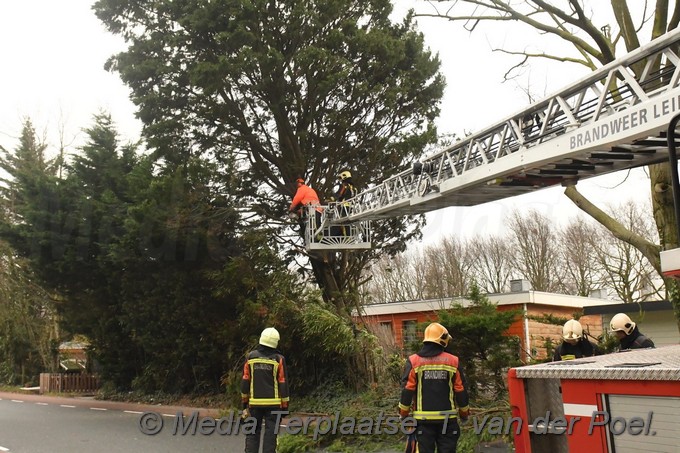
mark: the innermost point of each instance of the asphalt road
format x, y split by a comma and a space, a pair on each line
37, 424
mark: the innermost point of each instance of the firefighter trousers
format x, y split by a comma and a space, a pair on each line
266, 418
432, 435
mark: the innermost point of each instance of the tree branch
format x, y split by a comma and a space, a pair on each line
650, 250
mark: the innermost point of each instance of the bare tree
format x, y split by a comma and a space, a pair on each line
393, 279
447, 269
534, 250
580, 271
596, 44
624, 267
491, 262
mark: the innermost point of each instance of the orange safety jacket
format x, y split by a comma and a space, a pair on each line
434, 386
265, 379
305, 196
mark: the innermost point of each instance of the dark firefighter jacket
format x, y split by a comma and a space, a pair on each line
635, 341
345, 191
433, 381
568, 351
265, 379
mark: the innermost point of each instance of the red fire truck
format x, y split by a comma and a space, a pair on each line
622, 402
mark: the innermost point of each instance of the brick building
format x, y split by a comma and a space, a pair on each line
398, 320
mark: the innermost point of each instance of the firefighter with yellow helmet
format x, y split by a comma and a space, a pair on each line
574, 345
628, 334
264, 390
433, 385
346, 189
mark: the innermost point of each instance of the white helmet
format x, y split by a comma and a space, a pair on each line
345, 175
270, 337
572, 330
621, 322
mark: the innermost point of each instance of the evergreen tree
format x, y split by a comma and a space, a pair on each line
480, 340
288, 89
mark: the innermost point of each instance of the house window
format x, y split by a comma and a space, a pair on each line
386, 326
408, 331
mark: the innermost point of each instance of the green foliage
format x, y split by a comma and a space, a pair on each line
322, 346
549, 318
28, 332
154, 268
479, 340
607, 342
469, 439
331, 334
298, 443
287, 89
395, 367
334, 398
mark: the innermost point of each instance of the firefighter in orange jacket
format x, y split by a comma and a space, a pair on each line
264, 390
434, 385
305, 196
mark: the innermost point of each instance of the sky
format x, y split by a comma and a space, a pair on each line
53, 57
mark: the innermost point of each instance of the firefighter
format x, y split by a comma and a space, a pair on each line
628, 334
264, 390
346, 190
434, 385
574, 345
304, 196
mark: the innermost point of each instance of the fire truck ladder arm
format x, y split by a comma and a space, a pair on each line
607, 121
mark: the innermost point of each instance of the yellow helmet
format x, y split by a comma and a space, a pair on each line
436, 333
270, 337
345, 175
621, 322
572, 330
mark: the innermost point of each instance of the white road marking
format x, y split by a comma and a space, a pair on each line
42, 404
98, 409
17, 401
168, 415
66, 405
133, 412
4, 449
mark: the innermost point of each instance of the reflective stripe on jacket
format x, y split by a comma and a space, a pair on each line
265, 378
435, 384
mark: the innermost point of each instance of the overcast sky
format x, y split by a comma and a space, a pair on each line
53, 56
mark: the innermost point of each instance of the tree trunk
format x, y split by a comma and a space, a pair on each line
323, 272
663, 209
664, 216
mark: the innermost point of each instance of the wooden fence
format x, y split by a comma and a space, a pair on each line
68, 383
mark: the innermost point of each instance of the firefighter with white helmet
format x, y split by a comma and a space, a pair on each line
433, 385
628, 334
264, 390
574, 345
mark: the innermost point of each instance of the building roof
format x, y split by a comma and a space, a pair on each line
73, 345
656, 305
514, 298
660, 364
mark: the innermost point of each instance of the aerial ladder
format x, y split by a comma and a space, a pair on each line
609, 120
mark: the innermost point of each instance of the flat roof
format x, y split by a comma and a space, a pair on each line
500, 299
660, 364
656, 305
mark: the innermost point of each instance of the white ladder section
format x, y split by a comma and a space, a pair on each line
584, 130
